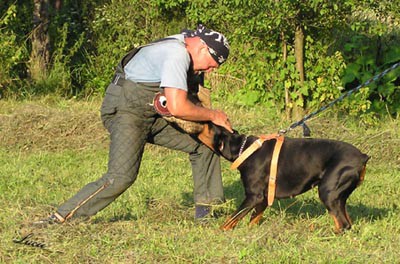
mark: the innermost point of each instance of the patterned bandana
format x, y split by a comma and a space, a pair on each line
218, 45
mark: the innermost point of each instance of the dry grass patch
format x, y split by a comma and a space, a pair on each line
34, 126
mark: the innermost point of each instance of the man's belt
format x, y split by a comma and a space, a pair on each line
119, 80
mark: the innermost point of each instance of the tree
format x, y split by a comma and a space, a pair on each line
40, 54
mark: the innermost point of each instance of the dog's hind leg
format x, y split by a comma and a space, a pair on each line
339, 217
334, 189
347, 214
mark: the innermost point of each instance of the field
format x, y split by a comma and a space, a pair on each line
50, 148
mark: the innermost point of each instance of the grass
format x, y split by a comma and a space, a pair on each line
49, 149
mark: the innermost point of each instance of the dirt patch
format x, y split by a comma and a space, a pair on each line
30, 126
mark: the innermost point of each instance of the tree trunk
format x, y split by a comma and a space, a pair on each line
40, 54
288, 109
57, 5
299, 55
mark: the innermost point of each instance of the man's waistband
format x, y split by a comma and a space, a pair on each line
119, 80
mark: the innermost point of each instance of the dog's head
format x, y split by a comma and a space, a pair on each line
222, 141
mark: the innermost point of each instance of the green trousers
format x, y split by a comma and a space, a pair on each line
132, 122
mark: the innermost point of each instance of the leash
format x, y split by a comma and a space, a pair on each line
306, 130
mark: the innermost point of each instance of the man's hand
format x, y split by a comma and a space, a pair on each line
180, 106
221, 119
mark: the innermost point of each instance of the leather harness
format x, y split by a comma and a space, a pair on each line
274, 162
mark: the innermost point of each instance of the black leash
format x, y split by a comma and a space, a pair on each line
306, 129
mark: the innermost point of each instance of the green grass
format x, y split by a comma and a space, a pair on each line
152, 222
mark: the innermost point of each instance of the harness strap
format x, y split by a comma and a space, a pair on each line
274, 161
133, 51
250, 150
274, 169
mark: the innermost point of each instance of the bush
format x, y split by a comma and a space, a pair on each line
11, 52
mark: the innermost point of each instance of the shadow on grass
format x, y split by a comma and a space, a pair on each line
314, 208
120, 218
233, 191
311, 207
153, 208
291, 207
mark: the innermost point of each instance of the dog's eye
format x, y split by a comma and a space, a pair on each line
221, 146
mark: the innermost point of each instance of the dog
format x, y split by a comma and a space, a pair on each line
336, 167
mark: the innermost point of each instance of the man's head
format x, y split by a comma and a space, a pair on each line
208, 48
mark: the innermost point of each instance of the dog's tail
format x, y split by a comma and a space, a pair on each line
364, 168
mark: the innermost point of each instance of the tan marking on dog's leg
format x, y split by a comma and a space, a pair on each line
256, 219
229, 224
338, 226
348, 217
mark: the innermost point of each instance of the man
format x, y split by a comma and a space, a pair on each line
167, 66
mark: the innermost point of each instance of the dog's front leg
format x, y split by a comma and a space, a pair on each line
247, 205
234, 219
258, 213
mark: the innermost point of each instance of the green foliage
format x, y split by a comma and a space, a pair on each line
59, 80
323, 81
119, 26
344, 40
11, 53
258, 32
370, 50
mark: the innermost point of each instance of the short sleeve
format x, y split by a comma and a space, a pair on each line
174, 69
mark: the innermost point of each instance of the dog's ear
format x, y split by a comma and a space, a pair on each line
213, 137
218, 141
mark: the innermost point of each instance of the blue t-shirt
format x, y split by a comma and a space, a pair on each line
166, 62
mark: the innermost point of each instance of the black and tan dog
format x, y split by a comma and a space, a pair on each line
336, 167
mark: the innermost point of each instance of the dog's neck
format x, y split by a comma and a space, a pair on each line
246, 142
244, 147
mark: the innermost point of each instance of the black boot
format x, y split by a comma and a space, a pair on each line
202, 212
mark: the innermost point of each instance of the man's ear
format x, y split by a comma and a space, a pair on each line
204, 49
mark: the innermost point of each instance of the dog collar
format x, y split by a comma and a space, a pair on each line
242, 147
